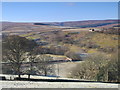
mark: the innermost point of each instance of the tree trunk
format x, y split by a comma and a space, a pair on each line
19, 71
45, 72
30, 70
19, 76
28, 76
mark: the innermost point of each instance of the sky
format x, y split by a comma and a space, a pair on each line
58, 11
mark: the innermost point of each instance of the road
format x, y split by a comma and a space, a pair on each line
30, 84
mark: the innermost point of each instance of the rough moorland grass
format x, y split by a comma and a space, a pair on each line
105, 40
28, 34
84, 37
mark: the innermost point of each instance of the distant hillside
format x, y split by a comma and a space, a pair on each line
44, 26
86, 24
22, 28
8, 25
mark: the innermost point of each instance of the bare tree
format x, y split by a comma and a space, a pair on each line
31, 57
14, 49
44, 64
90, 68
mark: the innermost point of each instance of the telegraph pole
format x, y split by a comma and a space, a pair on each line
58, 69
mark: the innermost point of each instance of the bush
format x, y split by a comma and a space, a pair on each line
107, 49
73, 55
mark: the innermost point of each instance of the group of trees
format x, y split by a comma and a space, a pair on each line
98, 67
17, 51
40, 65
56, 50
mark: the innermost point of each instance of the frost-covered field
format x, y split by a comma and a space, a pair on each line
40, 84
31, 84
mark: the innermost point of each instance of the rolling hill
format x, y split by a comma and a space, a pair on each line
86, 24
22, 28
78, 24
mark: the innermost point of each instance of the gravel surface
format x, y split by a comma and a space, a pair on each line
31, 84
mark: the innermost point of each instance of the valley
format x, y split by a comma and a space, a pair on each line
70, 42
